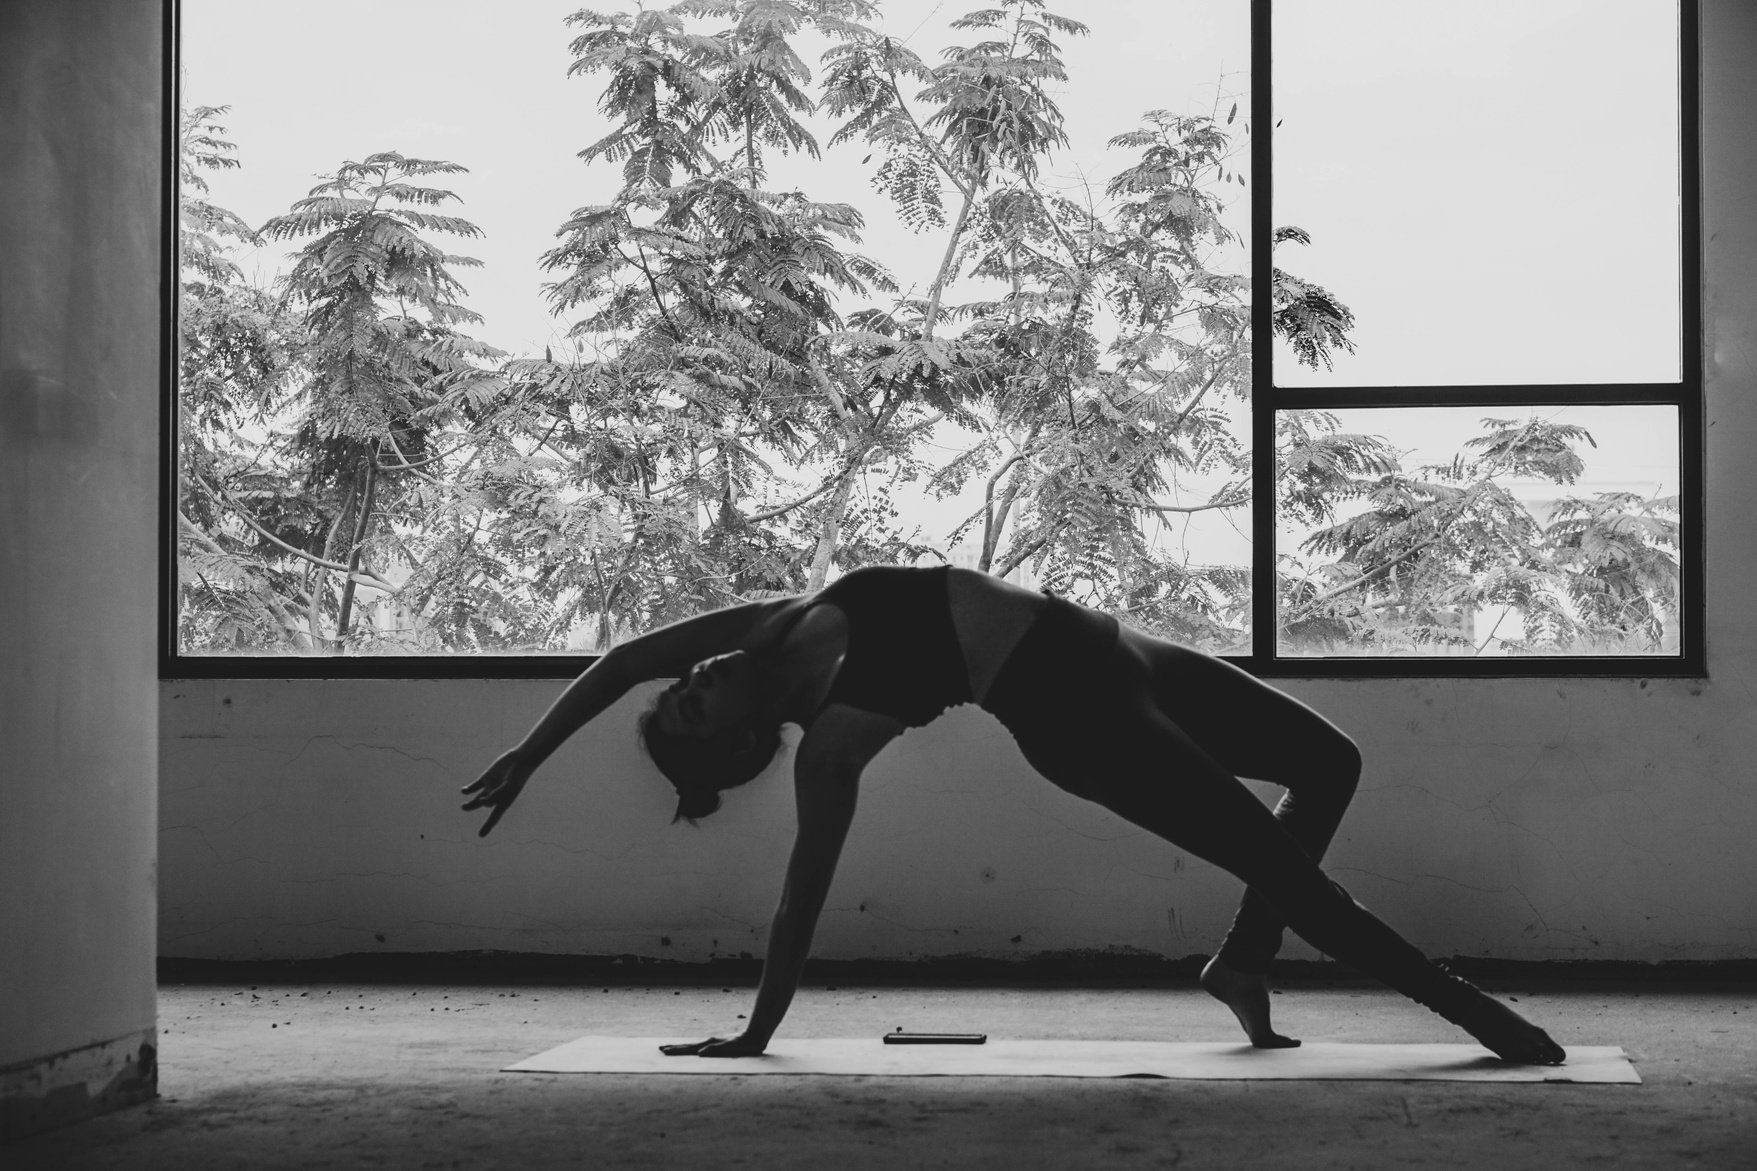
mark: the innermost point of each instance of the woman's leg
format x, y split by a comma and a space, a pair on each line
1158, 777
1251, 729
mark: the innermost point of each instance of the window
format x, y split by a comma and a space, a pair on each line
766, 293
1504, 464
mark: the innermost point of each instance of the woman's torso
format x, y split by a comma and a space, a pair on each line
908, 643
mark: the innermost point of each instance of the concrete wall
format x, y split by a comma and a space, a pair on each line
79, 397
1529, 819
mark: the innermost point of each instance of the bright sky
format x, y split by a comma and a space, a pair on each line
1491, 187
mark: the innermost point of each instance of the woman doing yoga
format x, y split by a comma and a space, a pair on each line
1157, 733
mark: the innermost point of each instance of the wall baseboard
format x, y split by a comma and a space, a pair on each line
1119, 967
53, 1091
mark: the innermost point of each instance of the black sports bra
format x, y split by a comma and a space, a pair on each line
903, 659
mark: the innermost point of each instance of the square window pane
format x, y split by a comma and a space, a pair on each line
703, 392
1490, 191
1478, 532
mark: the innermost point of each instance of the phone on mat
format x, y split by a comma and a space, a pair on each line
902, 1038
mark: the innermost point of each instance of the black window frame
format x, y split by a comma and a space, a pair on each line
1686, 395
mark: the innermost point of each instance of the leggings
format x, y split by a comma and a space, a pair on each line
1099, 720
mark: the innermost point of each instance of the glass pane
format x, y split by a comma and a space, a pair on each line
693, 370
1490, 190
1478, 531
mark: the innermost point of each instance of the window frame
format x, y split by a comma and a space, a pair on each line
1685, 395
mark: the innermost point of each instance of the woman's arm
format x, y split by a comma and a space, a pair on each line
826, 772
826, 807
666, 653
586, 698
599, 686
670, 651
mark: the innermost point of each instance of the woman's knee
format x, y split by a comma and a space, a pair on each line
1318, 758
1346, 761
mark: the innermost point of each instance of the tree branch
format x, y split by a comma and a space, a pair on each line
653, 285
1234, 502
772, 513
1020, 556
1371, 575
990, 532
365, 575
1464, 502
923, 138
1214, 377
279, 612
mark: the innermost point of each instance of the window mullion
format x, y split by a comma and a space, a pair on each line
1262, 341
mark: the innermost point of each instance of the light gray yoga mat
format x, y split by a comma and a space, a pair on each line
1221, 1060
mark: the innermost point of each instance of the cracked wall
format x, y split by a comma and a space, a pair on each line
1525, 819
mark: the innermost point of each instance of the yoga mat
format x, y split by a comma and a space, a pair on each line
1214, 1060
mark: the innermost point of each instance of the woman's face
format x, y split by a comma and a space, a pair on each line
717, 694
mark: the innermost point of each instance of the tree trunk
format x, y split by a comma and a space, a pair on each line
356, 551
992, 521
830, 531
940, 278
319, 580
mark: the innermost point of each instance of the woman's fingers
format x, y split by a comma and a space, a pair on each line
485, 787
688, 1049
736, 1047
497, 788
713, 1047
493, 820
493, 777
497, 800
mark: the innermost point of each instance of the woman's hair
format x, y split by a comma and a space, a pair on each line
700, 769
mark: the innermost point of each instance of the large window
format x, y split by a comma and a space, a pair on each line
537, 332
1501, 460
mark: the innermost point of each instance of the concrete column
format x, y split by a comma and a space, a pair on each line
80, 165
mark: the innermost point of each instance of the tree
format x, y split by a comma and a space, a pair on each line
324, 428
385, 371
235, 345
1110, 371
711, 298
1433, 547
744, 397
722, 429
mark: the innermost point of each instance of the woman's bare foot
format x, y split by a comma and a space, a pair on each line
1248, 998
1507, 1034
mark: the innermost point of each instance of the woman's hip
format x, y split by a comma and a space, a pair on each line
1062, 690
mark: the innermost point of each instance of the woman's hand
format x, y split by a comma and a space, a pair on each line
499, 786
742, 1045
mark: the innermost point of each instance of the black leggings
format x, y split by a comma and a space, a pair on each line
1105, 722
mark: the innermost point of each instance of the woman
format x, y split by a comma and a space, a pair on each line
1155, 732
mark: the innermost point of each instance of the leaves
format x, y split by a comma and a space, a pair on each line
1410, 570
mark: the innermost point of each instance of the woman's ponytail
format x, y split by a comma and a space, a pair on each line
694, 803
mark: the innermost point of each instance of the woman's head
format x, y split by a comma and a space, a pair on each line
706, 733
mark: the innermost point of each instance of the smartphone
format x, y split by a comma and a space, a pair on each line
902, 1038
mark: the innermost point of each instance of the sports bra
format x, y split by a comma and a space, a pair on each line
903, 659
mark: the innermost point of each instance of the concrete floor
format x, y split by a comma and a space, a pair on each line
349, 1075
